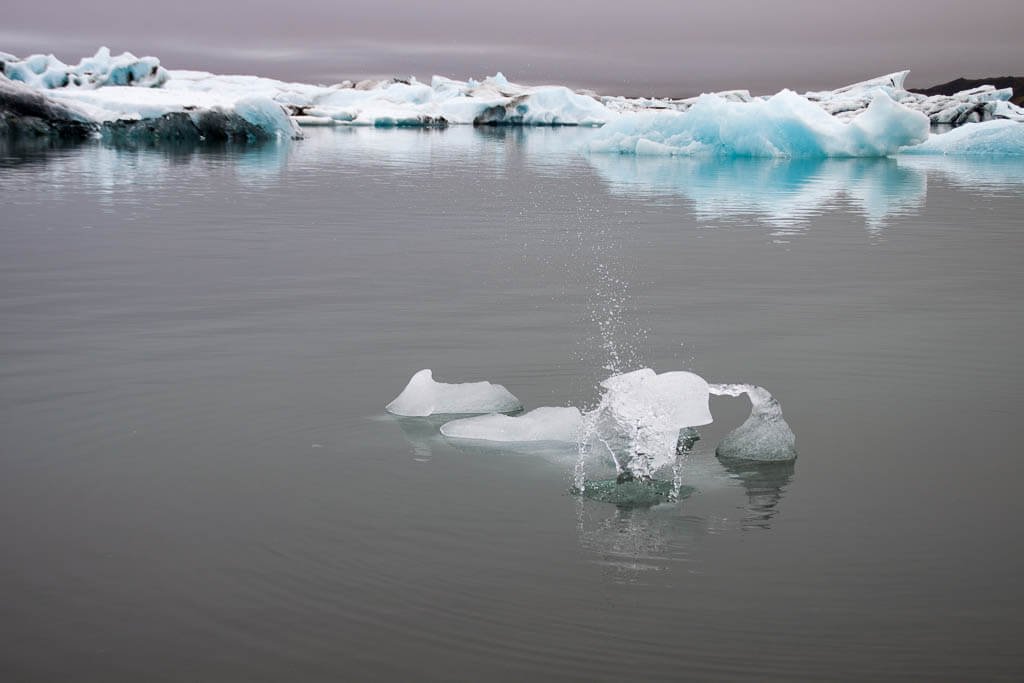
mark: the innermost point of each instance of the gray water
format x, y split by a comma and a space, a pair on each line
198, 481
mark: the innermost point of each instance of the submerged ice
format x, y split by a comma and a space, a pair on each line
423, 396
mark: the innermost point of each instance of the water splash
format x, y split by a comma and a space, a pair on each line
644, 424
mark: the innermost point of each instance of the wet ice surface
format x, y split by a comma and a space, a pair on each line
424, 396
197, 345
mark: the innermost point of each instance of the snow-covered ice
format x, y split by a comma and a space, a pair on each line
423, 396
540, 424
46, 71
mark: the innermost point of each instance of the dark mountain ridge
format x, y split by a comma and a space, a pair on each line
955, 86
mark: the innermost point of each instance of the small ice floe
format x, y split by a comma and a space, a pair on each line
423, 396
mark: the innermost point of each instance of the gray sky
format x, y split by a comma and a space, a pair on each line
621, 47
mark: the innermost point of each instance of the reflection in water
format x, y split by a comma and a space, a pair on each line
634, 541
631, 543
978, 174
765, 483
422, 434
783, 193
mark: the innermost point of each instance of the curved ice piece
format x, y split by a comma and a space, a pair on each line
423, 396
540, 424
784, 125
992, 138
46, 71
764, 436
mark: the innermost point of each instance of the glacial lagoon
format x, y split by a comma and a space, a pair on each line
198, 473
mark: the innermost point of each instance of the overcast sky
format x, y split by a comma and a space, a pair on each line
625, 46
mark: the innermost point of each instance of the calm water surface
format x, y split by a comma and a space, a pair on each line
198, 481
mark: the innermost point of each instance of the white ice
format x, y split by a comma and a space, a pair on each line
540, 424
423, 396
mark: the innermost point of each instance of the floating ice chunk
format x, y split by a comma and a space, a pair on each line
994, 138
640, 415
764, 436
784, 125
423, 396
540, 424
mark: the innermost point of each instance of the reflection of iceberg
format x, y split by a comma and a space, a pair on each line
782, 193
422, 435
765, 483
632, 542
973, 173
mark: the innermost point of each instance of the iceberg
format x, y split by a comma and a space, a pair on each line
764, 436
991, 138
127, 98
135, 98
784, 125
423, 397
540, 424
